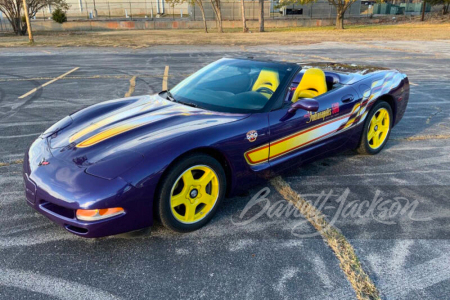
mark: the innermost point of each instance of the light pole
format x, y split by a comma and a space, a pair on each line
27, 18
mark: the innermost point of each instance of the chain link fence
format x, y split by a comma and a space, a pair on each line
230, 9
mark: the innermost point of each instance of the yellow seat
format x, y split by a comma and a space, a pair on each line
267, 79
313, 84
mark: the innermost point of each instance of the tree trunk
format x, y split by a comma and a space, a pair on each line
244, 21
261, 15
18, 27
216, 8
339, 20
219, 15
12, 9
15, 24
423, 10
445, 8
202, 9
215, 13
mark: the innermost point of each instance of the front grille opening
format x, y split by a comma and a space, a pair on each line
76, 229
59, 210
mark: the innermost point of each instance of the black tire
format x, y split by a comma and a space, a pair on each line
364, 148
163, 196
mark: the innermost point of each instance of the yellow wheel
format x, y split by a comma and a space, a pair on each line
379, 128
190, 192
194, 194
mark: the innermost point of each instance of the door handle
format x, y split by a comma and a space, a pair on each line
347, 98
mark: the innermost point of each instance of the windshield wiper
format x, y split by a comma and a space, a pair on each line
188, 103
170, 96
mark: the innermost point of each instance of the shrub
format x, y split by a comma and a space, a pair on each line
59, 16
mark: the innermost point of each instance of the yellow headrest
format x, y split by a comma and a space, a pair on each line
313, 84
267, 78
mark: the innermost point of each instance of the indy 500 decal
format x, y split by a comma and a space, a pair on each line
295, 141
325, 129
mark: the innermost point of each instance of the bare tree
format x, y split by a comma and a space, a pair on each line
218, 13
244, 21
13, 11
202, 9
193, 3
445, 5
341, 8
340, 5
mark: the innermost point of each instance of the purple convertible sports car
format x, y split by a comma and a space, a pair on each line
111, 167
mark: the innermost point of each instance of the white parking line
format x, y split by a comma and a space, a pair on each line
166, 74
51, 286
47, 83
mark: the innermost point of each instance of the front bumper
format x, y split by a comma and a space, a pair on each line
58, 189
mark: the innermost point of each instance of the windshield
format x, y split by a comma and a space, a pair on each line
233, 85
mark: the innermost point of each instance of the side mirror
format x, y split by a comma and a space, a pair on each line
306, 104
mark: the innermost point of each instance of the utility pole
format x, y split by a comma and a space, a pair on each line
27, 18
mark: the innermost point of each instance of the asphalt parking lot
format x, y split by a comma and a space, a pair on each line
236, 256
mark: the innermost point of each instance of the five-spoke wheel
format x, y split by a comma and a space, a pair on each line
376, 129
194, 194
190, 192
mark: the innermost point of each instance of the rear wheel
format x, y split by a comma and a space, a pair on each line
377, 128
191, 192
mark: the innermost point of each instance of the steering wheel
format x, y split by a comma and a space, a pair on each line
265, 91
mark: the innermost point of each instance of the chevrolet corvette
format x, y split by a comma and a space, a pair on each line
115, 166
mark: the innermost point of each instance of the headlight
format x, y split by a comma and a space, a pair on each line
115, 164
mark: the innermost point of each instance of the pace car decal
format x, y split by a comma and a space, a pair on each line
106, 134
378, 88
320, 115
353, 115
252, 135
121, 114
294, 141
125, 120
326, 129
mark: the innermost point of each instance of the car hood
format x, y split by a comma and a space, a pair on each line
120, 128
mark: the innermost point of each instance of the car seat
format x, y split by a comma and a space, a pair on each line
267, 82
313, 84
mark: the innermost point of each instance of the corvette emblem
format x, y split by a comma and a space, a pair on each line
43, 162
252, 135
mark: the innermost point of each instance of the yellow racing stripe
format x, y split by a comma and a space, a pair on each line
294, 141
91, 128
104, 135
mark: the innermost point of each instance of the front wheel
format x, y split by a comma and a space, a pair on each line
377, 128
190, 193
